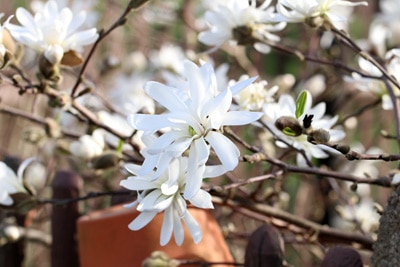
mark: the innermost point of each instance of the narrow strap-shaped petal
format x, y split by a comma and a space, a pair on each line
240, 117
142, 220
193, 227
225, 149
164, 95
167, 227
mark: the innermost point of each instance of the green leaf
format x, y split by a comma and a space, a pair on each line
288, 131
301, 103
120, 146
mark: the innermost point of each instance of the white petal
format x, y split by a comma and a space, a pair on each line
132, 168
198, 155
169, 190
225, 149
142, 220
167, 227
148, 122
165, 96
262, 48
216, 108
163, 142
179, 233
214, 171
193, 227
137, 183
196, 82
202, 200
239, 86
241, 117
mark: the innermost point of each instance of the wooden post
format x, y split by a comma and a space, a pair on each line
64, 249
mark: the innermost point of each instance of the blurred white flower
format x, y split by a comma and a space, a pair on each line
362, 213
10, 183
254, 96
76, 6
286, 107
316, 12
88, 146
384, 31
52, 31
192, 123
169, 57
377, 86
166, 195
241, 22
128, 95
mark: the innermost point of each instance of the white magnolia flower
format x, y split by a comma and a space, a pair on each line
11, 183
336, 12
128, 95
163, 196
254, 96
52, 31
77, 6
2, 27
384, 31
192, 123
286, 106
240, 22
377, 86
363, 213
88, 146
168, 57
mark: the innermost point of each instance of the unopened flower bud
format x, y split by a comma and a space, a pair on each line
319, 136
106, 160
48, 69
315, 22
289, 126
53, 129
159, 259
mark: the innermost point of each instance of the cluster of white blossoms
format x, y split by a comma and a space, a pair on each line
182, 139
250, 22
317, 12
52, 31
242, 22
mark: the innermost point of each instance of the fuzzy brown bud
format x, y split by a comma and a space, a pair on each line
319, 136
289, 126
106, 160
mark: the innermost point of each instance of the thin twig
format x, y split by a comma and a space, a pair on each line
102, 34
321, 232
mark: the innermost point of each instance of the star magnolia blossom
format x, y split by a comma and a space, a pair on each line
286, 106
335, 11
244, 18
10, 183
193, 122
52, 31
162, 196
255, 95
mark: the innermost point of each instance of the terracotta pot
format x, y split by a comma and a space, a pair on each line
105, 240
